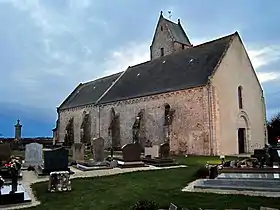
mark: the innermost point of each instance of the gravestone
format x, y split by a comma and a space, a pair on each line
131, 152
173, 207
213, 172
152, 152
273, 152
98, 149
259, 153
56, 160
33, 154
78, 150
164, 150
5, 152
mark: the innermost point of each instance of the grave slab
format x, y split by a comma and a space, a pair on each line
239, 184
266, 176
20, 196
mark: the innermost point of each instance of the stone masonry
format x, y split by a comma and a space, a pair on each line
189, 131
163, 39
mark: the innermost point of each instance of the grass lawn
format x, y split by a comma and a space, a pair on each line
162, 186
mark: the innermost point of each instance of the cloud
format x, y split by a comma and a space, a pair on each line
129, 55
268, 76
263, 56
60, 46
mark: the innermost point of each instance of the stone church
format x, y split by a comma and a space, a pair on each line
203, 100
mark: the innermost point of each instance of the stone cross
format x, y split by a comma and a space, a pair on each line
98, 149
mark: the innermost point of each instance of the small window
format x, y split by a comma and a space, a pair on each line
162, 51
240, 98
183, 46
161, 28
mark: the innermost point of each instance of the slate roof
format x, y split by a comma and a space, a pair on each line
89, 93
178, 32
182, 70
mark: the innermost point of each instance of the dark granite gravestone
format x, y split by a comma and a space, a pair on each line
56, 160
131, 156
213, 172
164, 150
131, 152
5, 152
259, 154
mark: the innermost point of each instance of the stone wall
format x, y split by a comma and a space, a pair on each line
77, 114
162, 39
178, 47
229, 117
189, 130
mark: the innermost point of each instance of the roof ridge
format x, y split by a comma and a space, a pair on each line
175, 53
217, 39
100, 78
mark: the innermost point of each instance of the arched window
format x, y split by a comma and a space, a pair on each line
240, 97
167, 107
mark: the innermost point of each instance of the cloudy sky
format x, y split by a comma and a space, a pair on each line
47, 47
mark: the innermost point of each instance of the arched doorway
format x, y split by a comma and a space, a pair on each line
243, 133
241, 140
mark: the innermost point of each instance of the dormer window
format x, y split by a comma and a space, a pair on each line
162, 51
161, 28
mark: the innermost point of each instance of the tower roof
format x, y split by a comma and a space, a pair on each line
177, 31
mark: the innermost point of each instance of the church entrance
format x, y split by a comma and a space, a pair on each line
241, 140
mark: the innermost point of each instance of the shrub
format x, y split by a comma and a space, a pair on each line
144, 205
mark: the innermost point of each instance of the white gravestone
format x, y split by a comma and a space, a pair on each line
152, 151
33, 154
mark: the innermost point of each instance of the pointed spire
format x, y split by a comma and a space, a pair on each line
179, 21
161, 13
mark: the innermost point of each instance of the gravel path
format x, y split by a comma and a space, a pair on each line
29, 177
190, 188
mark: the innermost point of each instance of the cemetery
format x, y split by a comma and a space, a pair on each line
58, 172
90, 176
